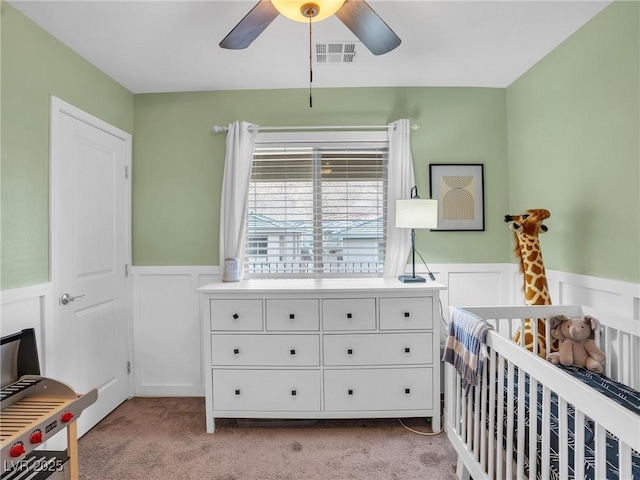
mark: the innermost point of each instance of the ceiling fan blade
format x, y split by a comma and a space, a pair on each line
252, 25
370, 29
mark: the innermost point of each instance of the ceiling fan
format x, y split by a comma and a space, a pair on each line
357, 15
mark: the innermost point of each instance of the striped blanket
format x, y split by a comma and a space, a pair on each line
463, 348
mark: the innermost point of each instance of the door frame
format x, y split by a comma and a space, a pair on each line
58, 108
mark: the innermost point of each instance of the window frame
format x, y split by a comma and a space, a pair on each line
338, 139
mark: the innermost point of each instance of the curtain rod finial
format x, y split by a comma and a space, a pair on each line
219, 129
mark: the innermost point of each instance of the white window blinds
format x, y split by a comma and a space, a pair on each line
316, 210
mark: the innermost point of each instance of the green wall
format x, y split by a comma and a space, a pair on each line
564, 137
34, 66
178, 163
574, 133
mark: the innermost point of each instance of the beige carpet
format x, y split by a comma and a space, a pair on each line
165, 438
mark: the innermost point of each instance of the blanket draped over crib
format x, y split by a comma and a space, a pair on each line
463, 348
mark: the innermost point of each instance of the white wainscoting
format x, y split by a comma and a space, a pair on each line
29, 307
167, 344
166, 317
166, 313
619, 298
470, 284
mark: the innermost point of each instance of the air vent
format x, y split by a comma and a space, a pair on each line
335, 52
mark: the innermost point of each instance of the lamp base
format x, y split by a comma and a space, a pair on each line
411, 279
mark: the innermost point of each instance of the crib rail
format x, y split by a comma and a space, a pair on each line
618, 337
486, 438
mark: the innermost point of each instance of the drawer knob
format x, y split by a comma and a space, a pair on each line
407, 314
292, 316
236, 351
350, 351
350, 392
238, 392
407, 350
349, 315
236, 316
407, 391
293, 351
294, 392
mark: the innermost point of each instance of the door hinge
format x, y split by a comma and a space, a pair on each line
126, 171
128, 368
126, 269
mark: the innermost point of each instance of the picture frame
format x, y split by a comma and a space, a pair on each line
459, 190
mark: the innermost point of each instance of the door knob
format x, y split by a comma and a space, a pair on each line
66, 298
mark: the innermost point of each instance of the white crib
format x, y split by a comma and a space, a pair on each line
487, 451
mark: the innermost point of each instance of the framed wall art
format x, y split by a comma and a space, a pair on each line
459, 190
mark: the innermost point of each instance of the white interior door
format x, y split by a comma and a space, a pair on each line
90, 253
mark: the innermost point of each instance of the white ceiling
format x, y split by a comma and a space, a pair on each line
172, 46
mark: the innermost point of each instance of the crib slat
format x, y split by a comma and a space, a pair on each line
578, 452
463, 415
483, 416
626, 358
608, 366
456, 412
449, 398
620, 370
563, 438
521, 427
499, 421
492, 413
469, 420
510, 415
476, 422
533, 427
624, 460
546, 428
633, 358
600, 447
548, 337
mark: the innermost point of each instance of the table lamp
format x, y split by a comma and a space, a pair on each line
415, 213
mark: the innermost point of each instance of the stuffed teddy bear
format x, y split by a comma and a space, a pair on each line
576, 345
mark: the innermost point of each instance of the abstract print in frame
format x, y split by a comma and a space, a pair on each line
459, 190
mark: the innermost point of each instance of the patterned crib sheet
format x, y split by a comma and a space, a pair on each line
622, 394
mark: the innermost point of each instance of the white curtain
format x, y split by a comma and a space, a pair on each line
400, 180
235, 188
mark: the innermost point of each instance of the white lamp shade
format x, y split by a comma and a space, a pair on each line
416, 213
291, 8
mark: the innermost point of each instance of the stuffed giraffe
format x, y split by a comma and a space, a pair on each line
526, 228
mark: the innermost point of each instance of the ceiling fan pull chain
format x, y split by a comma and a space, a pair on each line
310, 65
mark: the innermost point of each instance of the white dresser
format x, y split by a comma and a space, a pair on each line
332, 348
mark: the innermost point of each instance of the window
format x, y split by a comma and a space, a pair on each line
316, 208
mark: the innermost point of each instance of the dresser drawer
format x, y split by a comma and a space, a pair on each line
236, 314
349, 313
268, 350
384, 389
378, 349
266, 390
406, 313
293, 314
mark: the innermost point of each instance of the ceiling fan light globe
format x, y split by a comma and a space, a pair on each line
293, 9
